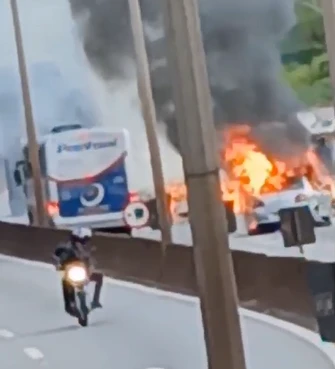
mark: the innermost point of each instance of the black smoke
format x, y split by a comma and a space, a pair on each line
241, 40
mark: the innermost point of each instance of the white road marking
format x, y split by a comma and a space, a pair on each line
33, 353
6, 334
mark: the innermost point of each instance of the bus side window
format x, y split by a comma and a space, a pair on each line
26, 170
17, 177
41, 154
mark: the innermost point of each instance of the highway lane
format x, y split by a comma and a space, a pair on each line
135, 330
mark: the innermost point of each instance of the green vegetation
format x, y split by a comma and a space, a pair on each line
311, 81
306, 64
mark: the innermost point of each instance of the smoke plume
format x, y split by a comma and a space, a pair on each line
241, 40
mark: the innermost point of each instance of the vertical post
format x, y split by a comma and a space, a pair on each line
39, 217
328, 11
213, 261
150, 120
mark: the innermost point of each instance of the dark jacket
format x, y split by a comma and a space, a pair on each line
68, 252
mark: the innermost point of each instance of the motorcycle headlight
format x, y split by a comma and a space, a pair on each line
77, 274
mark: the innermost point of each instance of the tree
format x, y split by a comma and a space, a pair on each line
310, 23
311, 82
310, 79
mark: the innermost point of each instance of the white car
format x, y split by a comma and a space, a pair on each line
299, 193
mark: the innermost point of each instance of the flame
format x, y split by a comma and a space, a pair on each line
178, 195
249, 173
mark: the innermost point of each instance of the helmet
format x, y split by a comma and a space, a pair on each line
81, 235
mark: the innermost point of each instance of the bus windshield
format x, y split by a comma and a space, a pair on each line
65, 128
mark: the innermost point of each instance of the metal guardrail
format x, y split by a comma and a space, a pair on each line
274, 285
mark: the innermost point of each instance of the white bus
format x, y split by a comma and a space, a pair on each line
84, 177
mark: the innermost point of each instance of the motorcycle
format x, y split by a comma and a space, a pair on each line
76, 275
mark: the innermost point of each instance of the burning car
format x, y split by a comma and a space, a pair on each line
298, 192
260, 183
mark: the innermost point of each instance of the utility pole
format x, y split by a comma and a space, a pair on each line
328, 12
33, 147
196, 131
150, 120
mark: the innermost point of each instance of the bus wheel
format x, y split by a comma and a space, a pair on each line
117, 230
122, 230
126, 230
51, 223
30, 217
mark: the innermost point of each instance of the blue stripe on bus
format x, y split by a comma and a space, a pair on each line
114, 185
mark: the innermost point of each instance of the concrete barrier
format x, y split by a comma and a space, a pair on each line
276, 286
272, 343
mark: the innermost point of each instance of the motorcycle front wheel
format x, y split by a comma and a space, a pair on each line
83, 321
83, 314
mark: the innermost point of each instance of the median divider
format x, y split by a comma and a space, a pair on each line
273, 285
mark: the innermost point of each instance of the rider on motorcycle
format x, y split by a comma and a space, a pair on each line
78, 248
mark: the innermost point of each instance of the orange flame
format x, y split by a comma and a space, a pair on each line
248, 173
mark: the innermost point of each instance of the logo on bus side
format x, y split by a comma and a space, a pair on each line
86, 146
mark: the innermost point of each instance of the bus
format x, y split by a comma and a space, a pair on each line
84, 177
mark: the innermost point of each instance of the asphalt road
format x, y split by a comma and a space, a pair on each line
133, 331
